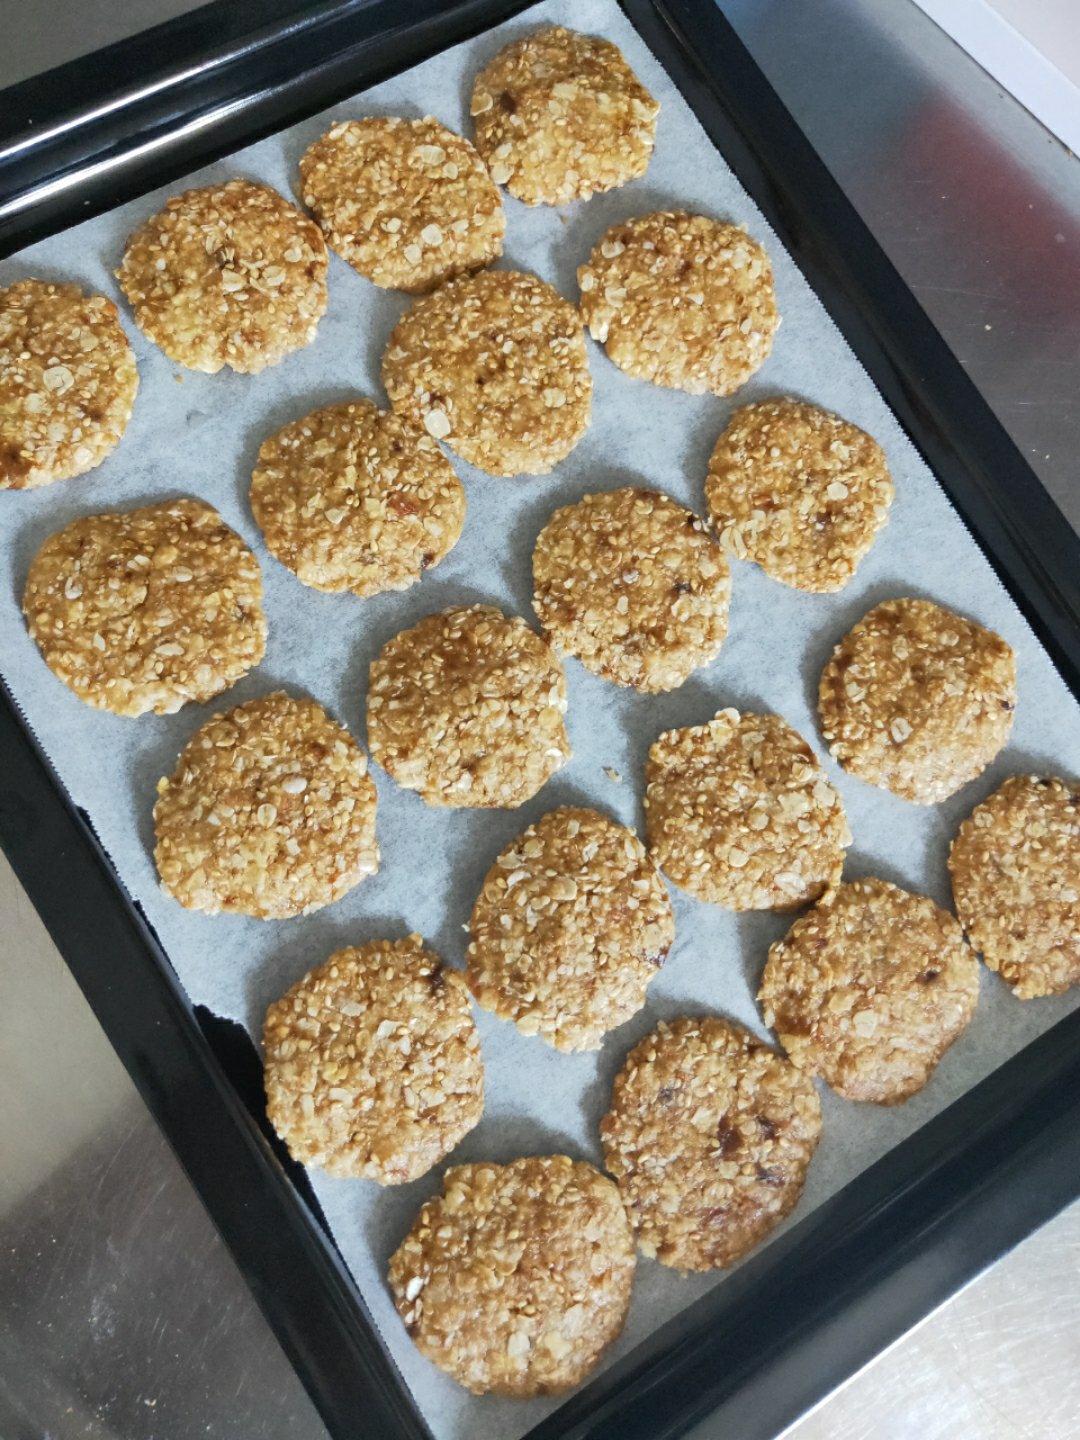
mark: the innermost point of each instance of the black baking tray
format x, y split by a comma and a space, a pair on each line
838, 1287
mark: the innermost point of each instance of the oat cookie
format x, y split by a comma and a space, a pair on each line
147, 609
633, 585
495, 365
869, 989
572, 923
708, 1137
1015, 867
373, 1067
67, 382
227, 275
356, 498
917, 700
561, 116
799, 491
739, 812
406, 202
681, 300
518, 1276
467, 707
270, 812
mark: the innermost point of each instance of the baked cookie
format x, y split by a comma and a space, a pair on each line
67, 382
495, 365
147, 609
561, 116
798, 491
373, 1067
633, 585
681, 300
739, 812
708, 1137
518, 1276
270, 812
1015, 867
572, 923
467, 707
227, 275
356, 498
869, 989
917, 700
406, 202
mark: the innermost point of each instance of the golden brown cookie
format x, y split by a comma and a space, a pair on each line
67, 382
572, 923
406, 202
708, 1137
561, 116
147, 609
495, 365
356, 498
373, 1067
467, 707
917, 700
739, 812
270, 812
518, 1276
1015, 867
799, 491
869, 989
227, 275
681, 300
633, 585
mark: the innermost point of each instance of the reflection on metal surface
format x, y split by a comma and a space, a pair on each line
1000, 1361
976, 204
121, 1314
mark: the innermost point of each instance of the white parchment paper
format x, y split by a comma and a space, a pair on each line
199, 435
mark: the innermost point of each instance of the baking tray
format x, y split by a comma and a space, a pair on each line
866, 1264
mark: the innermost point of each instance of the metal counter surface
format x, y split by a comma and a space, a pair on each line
121, 1313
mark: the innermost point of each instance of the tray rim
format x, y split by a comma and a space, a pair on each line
933, 1242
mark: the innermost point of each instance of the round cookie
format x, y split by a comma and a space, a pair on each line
146, 610
917, 700
356, 498
270, 812
227, 275
560, 116
633, 585
373, 1067
518, 1276
495, 365
681, 300
572, 923
67, 382
739, 812
869, 989
407, 203
708, 1137
799, 491
1015, 867
467, 707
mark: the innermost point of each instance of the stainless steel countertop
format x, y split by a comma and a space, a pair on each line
121, 1313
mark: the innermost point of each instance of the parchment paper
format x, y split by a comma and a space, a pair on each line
199, 435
